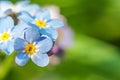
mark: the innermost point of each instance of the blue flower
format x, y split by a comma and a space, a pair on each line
33, 46
7, 7
8, 33
43, 22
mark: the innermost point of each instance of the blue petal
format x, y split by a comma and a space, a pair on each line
40, 59
5, 4
6, 23
22, 3
19, 29
3, 47
22, 58
52, 33
31, 9
31, 35
8, 48
55, 23
45, 44
45, 15
26, 17
19, 44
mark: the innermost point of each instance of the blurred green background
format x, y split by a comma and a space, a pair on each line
95, 54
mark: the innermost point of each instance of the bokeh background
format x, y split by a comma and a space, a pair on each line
95, 54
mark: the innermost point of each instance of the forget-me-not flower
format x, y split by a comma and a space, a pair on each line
43, 22
8, 33
33, 46
6, 7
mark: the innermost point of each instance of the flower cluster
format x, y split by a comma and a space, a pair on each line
34, 34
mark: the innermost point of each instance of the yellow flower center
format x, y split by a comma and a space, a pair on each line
30, 49
40, 23
5, 36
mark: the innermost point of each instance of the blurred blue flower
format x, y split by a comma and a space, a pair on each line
43, 22
6, 7
33, 46
65, 36
8, 33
